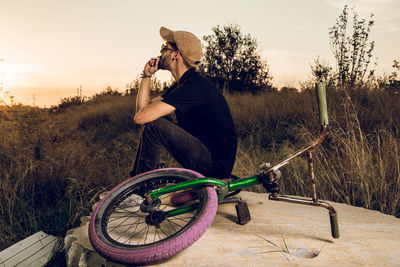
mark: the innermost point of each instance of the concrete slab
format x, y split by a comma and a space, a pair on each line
285, 234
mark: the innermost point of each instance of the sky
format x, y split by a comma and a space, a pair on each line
50, 48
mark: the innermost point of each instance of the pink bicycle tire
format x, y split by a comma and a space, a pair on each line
163, 249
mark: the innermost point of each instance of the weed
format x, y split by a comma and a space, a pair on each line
53, 165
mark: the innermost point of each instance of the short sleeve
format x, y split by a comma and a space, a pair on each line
183, 97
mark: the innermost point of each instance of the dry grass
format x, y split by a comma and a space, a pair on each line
55, 162
358, 164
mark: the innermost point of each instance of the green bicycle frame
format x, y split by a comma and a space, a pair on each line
222, 190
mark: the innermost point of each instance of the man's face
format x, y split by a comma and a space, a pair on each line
166, 57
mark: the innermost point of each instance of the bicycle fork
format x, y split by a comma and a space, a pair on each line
270, 183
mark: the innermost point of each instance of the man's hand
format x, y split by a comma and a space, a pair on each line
151, 66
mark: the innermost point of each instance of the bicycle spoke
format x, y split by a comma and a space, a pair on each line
127, 224
120, 224
133, 233
164, 208
170, 224
174, 223
181, 219
163, 233
131, 224
123, 209
126, 216
147, 233
142, 233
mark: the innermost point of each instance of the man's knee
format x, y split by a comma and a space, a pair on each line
157, 124
156, 128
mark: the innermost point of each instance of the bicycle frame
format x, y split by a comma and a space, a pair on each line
267, 175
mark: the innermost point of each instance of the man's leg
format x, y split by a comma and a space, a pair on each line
186, 149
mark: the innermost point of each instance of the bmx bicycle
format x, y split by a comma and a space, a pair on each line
155, 215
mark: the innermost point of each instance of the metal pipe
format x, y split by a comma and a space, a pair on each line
312, 176
272, 179
304, 201
316, 142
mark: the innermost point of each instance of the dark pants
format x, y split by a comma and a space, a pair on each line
186, 149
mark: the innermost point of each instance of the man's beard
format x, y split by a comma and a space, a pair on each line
163, 63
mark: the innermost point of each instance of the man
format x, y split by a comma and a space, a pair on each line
204, 139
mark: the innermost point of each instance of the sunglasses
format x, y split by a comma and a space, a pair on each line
165, 48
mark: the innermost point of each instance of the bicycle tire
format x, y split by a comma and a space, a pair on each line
157, 250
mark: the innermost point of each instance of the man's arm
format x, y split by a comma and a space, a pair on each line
143, 96
152, 112
149, 110
156, 99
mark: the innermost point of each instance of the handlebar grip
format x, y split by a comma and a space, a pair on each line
334, 225
321, 99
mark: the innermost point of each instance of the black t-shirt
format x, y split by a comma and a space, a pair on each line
202, 111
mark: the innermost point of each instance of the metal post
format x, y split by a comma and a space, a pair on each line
272, 179
312, 176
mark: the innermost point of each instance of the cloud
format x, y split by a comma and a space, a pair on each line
30, 75
363, 5
31, 68
386, 15
385, 10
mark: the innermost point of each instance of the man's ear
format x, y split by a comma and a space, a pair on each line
176, 55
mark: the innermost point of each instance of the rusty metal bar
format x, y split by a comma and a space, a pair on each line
321, 136
316, 142
272, 179
312, 176
303, 201
314, 201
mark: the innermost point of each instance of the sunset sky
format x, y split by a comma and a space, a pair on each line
52, 47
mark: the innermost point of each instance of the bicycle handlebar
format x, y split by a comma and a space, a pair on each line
321, 99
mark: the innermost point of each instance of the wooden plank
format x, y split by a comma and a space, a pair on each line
22, 258
34, 250
21, 245
42, 256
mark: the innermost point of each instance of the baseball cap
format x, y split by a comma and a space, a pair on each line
187, 43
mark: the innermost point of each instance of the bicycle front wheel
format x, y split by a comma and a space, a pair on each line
126, 230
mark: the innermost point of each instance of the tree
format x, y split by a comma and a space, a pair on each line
391, 82
232, 61
155, 86
394, 77
352, 53
321, 71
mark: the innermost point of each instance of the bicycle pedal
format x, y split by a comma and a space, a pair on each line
243, 213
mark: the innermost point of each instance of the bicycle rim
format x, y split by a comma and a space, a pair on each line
125, 225
118, 229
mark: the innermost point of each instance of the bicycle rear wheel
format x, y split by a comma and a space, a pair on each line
126, 230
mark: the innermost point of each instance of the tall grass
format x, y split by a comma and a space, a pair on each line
362, 168
358, 163
54, 165
54, 162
